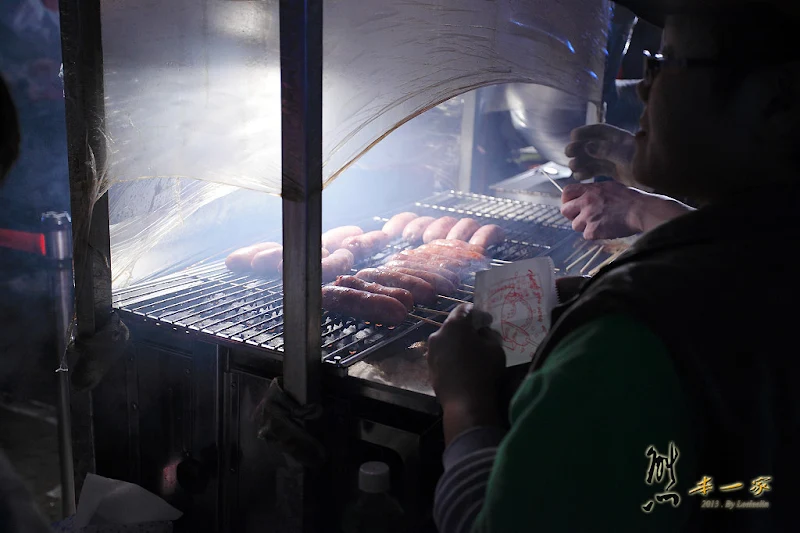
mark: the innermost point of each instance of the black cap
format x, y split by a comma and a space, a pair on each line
656, 11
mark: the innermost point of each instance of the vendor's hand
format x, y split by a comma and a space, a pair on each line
466, 362
609, 210
601, 210
601, 150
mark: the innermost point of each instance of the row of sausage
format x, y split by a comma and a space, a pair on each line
415, 229
386, 294
349, 244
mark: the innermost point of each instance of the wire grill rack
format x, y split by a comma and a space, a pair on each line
209, 299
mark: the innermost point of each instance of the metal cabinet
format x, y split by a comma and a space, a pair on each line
178, 416
156, 419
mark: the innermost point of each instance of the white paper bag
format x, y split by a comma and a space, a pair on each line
520, 297
112, 506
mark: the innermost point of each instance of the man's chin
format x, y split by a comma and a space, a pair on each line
643, 170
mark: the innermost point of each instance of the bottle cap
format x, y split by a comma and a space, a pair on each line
374, 477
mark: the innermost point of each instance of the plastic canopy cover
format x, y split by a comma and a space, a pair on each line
192, 91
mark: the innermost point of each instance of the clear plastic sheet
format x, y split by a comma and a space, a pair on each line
161, 224
146, 215
192, 93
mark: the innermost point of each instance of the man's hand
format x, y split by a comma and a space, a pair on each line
601, 150
601, 210
609, 210
466, 363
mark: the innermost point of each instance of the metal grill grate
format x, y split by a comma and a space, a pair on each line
532, 229
209, 299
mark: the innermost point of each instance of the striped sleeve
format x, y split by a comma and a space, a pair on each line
468, 463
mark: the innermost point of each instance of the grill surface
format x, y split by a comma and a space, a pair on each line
237, 308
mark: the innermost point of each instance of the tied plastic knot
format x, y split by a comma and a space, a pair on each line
281, 419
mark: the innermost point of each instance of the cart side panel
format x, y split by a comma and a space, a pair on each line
157, 424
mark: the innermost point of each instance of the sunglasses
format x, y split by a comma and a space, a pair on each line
653, 63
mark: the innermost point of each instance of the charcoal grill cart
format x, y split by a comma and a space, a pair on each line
200, 126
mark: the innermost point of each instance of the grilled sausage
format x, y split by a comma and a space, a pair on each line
362, 305
337, 264
324, 254
395, 226
459, 253
429, 264
488, 235
449, 275
422, 291
456, 265
439, 229
401, 295
363, 246
453, 243
450, 261
239, 261
463, 230
332, 239
415, 229
266, 262
440, 284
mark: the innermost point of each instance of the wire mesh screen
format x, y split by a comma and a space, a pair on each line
209, 299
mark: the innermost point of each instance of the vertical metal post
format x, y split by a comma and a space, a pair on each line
82, 55
301, 138
301, 159
468, 116
478, 145
58, 242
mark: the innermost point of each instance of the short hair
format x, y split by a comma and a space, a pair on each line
9, 130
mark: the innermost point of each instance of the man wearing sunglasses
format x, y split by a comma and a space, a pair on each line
665, 396
618, 208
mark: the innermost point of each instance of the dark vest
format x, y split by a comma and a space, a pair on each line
717, 287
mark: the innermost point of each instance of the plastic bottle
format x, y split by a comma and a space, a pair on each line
375, 510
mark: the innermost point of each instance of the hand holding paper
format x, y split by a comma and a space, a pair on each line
520, 298
466, 362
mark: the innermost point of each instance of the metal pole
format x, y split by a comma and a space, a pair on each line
58, 242
468, 115
301, 159
82, 55
301, 138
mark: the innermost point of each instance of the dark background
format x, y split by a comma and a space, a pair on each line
30, 58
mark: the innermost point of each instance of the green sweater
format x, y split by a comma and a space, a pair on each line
575, 458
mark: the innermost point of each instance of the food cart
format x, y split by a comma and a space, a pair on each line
197, 127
